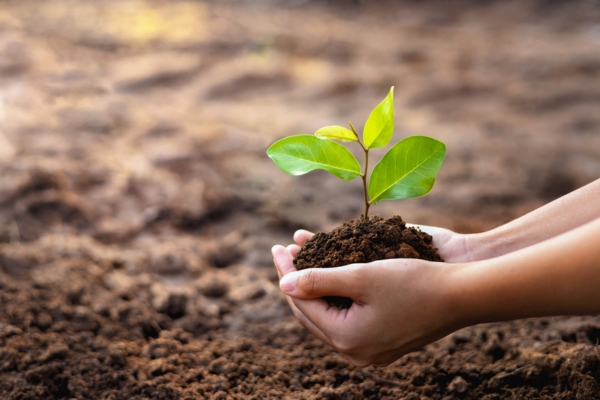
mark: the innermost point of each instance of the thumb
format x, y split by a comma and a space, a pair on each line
313, 283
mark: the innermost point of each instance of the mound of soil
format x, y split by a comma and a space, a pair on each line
363, 241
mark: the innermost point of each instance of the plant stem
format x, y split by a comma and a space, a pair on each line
364, 178
364, 174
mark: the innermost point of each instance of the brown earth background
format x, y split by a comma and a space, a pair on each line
138, 207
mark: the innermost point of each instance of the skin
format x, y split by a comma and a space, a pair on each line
542, 264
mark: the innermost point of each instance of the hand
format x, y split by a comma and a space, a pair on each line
452, 247
399, 305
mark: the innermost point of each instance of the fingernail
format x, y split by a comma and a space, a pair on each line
287, 284
274, 248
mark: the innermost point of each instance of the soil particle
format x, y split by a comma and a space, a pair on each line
458, 385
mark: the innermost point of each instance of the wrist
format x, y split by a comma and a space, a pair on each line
493, 290
460, 294
489, 244
453, 296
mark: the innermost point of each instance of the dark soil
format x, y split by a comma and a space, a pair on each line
363, 241
138, 207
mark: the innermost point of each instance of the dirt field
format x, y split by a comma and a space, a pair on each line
138, 207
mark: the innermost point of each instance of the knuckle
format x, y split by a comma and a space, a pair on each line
311, 281
301, 318
344, 346
353, 351
356, 276
359, 362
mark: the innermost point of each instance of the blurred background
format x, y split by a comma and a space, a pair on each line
134, 184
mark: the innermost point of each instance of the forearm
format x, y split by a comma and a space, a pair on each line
555, 218
560, 276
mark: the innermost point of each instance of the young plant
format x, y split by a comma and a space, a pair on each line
407, 170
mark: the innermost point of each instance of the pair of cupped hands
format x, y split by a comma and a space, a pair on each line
398, 305
544, 263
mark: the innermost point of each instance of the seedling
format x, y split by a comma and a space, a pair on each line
407, 170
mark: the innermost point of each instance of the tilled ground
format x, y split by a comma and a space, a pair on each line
138, 207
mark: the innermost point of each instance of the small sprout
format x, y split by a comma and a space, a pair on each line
336, 132
407, 170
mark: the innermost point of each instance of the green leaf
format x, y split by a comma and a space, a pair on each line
336, 132
379, 128
300, 154
407, 170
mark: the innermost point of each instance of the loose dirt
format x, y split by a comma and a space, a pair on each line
363, 241
138, 207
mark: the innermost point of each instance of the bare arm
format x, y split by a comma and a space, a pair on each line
550, 220
560, 276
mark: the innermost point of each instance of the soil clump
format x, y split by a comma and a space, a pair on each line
362, 241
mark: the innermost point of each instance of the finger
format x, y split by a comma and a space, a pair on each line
284, 262
301, 236
307, 323
328, 320
313, 283
293, 249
